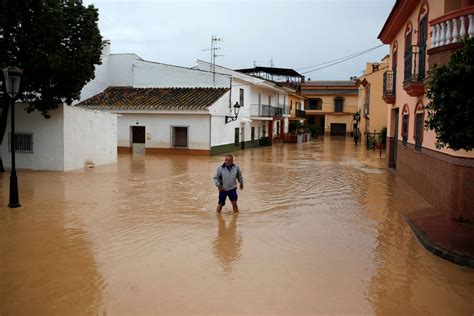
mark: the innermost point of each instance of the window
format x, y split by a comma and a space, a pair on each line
315, 104
180, 137
339, 104
241, 97
23, 142
252, 134
236, 136
408, 55
418, 131
405, 117
278, 128
419, 122
405, 130
269, 100
291, 105
422, 36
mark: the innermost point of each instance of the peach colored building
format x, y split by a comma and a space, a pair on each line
421, 34
371, 106
331, 105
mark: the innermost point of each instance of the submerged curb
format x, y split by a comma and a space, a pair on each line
437, 250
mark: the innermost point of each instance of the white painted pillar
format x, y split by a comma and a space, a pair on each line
470, 31
443, 34
455, 30
433, 36
462, 31
448, 32
438, 35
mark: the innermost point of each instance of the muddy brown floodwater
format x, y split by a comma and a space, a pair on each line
321, 231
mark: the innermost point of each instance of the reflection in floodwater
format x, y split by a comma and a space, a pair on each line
227, 245
322, 223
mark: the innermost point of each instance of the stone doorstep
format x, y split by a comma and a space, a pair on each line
445, 238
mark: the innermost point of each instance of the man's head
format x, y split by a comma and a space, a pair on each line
229, 160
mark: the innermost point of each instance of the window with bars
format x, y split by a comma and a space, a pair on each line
180, 136
418, 131
405, 130
315, 104
339, 104
23, 142
241, 97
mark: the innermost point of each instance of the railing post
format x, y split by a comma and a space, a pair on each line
443, 34
455, 30
462, 32
448, 32
470, 31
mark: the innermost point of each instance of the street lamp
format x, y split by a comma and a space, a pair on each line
356, 127
228, 118
12, 86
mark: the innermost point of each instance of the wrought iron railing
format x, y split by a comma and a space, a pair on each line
415, 58
389, 80
265, 110
300, 113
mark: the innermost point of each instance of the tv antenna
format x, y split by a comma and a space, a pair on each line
213, 49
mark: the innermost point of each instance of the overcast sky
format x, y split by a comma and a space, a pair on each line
293, 33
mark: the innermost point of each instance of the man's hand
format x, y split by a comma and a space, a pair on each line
220, 189
241, 186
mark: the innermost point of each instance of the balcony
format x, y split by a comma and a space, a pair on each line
389, 80
300, 114
264, 110
447, 31
414, 72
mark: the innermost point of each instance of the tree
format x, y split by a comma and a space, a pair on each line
451, 94
57, 43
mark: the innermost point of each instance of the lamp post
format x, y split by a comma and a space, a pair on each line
12, 86
231, 118
356, 127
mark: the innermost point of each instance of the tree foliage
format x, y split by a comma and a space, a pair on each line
55, 42
451, 92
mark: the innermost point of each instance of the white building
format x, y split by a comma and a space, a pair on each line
166, 108
264, 107
71, 138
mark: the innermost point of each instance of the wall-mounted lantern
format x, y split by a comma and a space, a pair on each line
231, 118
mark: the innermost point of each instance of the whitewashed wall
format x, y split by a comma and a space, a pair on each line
157, 75
89, 137
48, 144
158, 129
130, 70
68, 140
101, 79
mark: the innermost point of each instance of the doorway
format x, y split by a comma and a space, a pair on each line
138, 140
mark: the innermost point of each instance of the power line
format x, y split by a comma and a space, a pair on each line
331, 61
339, 60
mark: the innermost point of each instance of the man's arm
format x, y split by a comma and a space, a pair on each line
217, 178
240, 178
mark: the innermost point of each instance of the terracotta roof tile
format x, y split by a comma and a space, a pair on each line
171, 99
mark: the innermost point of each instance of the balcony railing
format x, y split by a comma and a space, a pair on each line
415, 58
450, 28
300, 113
265, 110
389, 79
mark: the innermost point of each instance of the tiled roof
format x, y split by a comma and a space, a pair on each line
171, 99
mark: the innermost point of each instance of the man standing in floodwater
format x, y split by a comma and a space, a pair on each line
225, 179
